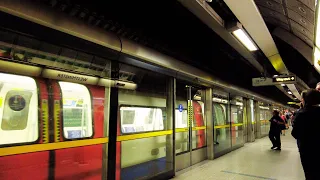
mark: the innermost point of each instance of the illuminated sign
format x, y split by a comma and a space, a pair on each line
294, 103
284, 79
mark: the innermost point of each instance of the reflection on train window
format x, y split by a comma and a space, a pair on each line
219, 114
181, 118
140, 119
18, 109
77, 111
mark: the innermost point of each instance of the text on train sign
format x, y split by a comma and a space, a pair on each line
284, 79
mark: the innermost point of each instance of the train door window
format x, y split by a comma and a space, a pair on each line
77, 111
181, 114
140, 119
18, 109
222, 133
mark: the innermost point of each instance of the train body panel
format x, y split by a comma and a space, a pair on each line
19, 125
84, 120
25, 106
141, 113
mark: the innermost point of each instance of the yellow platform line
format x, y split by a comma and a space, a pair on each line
50, 146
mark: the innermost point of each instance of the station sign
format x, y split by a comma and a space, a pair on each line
283, 79
262, 81
294, 103
289, 79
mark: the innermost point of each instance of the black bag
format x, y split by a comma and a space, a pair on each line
282, 126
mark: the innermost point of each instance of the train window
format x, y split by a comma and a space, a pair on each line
140, 119
77, 111
18, 109
219, 114
181, 118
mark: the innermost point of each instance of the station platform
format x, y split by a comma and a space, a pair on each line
255, 161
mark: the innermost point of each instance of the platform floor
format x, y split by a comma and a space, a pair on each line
255, 161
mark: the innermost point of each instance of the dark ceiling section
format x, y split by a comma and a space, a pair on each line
168, 27
297, 64
220, 7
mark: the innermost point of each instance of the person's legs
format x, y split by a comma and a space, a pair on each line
310, 170
272, 139
278, 140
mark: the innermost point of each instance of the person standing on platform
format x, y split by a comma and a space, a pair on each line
275, 130
283, 117
306, 131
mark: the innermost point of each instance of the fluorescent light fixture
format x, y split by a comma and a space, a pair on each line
316, 58
275, 75
245, 39
289, 92
283, 85
317, 33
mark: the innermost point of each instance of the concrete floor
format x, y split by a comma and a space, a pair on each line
255, 161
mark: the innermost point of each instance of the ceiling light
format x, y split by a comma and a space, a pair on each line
316, 58
289, 92
317, 33
237, 30
283, 85
244, 39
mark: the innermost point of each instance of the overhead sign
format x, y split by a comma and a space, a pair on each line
71, 77
289, 79
296, 103
262, 81
283, 79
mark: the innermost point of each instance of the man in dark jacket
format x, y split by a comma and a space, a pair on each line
275, 130
306, 130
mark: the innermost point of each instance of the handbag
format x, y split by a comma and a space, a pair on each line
282, 126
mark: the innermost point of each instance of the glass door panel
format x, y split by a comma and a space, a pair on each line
190, 126
237, 125
222, 133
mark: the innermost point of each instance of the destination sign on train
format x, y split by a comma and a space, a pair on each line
284, 79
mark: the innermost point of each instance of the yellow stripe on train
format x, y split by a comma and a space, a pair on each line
143, 135
50, 146
87, 142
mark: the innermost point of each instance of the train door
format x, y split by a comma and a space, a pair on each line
236, 123
190, 126
245, 121
78, 115
221, 121
23, 121
251, 120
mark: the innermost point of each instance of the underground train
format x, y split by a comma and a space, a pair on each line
62, 116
